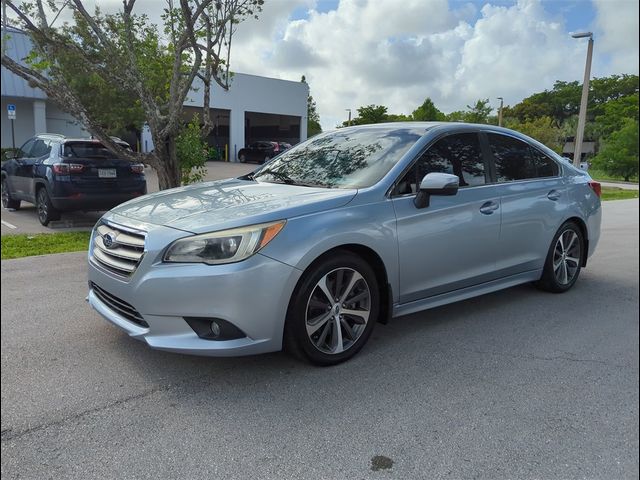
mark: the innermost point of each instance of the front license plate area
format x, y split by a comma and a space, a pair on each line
107, 173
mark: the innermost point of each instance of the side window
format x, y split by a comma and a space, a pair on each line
40, 148
513, 158
545, 167
458, 154
25, 150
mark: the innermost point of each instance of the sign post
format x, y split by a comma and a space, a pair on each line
11, 113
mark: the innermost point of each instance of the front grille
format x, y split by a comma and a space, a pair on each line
121, 307
122, 252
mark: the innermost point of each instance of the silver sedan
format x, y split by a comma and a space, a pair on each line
349, 228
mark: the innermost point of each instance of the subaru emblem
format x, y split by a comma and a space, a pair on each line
109, 239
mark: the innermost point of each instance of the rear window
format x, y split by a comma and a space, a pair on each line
86, 150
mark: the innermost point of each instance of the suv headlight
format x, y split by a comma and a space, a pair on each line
226, 246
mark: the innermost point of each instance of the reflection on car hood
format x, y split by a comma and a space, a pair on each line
230, 203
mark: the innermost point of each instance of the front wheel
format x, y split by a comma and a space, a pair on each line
8, 201
564, 260
46, 211
333, 311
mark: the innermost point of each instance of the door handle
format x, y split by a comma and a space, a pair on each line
553, 195
489, 207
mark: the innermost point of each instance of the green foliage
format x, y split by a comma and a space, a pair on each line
427, 112
479, 112
371, 114
4, 151
313, 119
541, 129
28, 245
614, 114
619, 154
192, 153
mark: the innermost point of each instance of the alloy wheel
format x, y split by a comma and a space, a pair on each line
338, 310
566, 257
42, 207
5, 194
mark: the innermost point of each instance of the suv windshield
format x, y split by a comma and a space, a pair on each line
348, 158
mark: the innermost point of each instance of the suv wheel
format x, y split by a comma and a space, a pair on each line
46, 211
7, 200
333, 311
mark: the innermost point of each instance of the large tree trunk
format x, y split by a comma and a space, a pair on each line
166, 164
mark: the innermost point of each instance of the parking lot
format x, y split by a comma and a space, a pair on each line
515, 384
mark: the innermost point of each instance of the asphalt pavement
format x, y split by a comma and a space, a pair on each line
516, 384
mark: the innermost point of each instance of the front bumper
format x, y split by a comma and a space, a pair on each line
253, 295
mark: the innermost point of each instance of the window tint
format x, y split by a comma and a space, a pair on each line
545, 167
458, 154
513, 158
25, 150
86, 150
40, 148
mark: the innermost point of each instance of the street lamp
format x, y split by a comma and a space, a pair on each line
582, 115
500, 111
349, 121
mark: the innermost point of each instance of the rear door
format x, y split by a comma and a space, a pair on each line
452, 243
40, 151
533, 196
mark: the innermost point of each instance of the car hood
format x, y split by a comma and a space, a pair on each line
230, 203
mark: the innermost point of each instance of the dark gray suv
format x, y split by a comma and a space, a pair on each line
60, 174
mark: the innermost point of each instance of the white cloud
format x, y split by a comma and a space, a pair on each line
397, 54
616, 33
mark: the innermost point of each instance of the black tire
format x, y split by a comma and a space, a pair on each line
45, 209
562, 269
304, 302
266, 159
242, 157
8, 201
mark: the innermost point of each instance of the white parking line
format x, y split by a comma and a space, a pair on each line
7, 224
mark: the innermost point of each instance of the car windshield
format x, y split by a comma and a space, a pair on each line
348, 158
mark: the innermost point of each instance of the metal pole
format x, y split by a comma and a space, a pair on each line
582, 116
349, 121
13, 136
500, 111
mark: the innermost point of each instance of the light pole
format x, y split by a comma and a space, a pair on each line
582, 115
349, 121
500, 111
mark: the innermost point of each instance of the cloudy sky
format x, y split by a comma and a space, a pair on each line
398, 52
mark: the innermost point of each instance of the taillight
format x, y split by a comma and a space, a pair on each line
137, 168
67, 168
276, 147
596, 187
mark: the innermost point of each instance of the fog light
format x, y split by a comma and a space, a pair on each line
215, 329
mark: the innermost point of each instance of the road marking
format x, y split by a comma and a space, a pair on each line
7, 224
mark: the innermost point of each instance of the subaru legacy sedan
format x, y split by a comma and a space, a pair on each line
347, 229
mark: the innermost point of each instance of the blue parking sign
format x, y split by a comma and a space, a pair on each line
11, 111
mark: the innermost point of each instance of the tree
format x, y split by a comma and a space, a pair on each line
619, 153
614, 114
427, 112
478, 113
121, 55
371, 114
313, 119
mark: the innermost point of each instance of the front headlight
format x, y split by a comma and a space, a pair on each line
227, 246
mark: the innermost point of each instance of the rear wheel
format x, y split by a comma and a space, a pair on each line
333, 311
266, 159
242, 157
7, 200
564, 260
46, 211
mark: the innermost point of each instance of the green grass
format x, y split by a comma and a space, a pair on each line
598, 175
27, 245
615, 193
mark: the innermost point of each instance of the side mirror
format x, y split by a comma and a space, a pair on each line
436, 184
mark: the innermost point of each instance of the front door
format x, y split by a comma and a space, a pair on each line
452, 243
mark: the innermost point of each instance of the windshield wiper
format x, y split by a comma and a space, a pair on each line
279, 175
